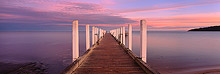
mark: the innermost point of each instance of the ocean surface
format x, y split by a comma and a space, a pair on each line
174, 52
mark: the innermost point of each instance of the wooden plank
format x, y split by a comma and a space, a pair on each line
72, 67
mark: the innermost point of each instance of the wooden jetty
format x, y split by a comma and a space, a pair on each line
108, 56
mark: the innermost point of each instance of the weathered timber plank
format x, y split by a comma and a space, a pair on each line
109, 58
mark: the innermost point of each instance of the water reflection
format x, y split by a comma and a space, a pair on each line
168, 52
178, 52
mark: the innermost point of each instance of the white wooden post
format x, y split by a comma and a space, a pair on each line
118, 33
103, 33
143, 40
93, 35
75, 41
96, 34
87, 37
114, 32
130, 36
123, 35
100, 33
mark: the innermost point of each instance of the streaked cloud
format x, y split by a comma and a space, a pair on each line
58, 14
169, 6
86, 13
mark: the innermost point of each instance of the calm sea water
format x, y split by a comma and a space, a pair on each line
168, 52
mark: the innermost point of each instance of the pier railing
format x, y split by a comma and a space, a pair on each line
119, 35
97, 33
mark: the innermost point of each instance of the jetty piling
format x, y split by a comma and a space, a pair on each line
93, 35
100, 32
130, 36
123, 35
143, 40
96, 34
75, 40
118, 33
87, 37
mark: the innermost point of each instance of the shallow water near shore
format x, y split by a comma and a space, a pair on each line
168, 52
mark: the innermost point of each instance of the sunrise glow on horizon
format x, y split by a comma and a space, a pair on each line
161, 15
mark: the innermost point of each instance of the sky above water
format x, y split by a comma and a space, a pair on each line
57, 15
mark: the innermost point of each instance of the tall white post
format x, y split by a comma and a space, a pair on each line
123, 35
114, 33
87, 37
118, 34
75, 41
96, 33
130, 36
100, 31
93, 35
143, 28
103, 33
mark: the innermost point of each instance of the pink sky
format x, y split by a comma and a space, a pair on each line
161, 15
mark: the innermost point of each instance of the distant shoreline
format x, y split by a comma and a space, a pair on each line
211, 28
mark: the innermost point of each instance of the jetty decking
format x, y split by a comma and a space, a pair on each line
108, 57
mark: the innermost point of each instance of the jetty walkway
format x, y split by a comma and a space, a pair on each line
108, 56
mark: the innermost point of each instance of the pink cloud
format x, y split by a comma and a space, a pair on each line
181, 22
63, 12
168, 6
69, 7
60, 12
9, 16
